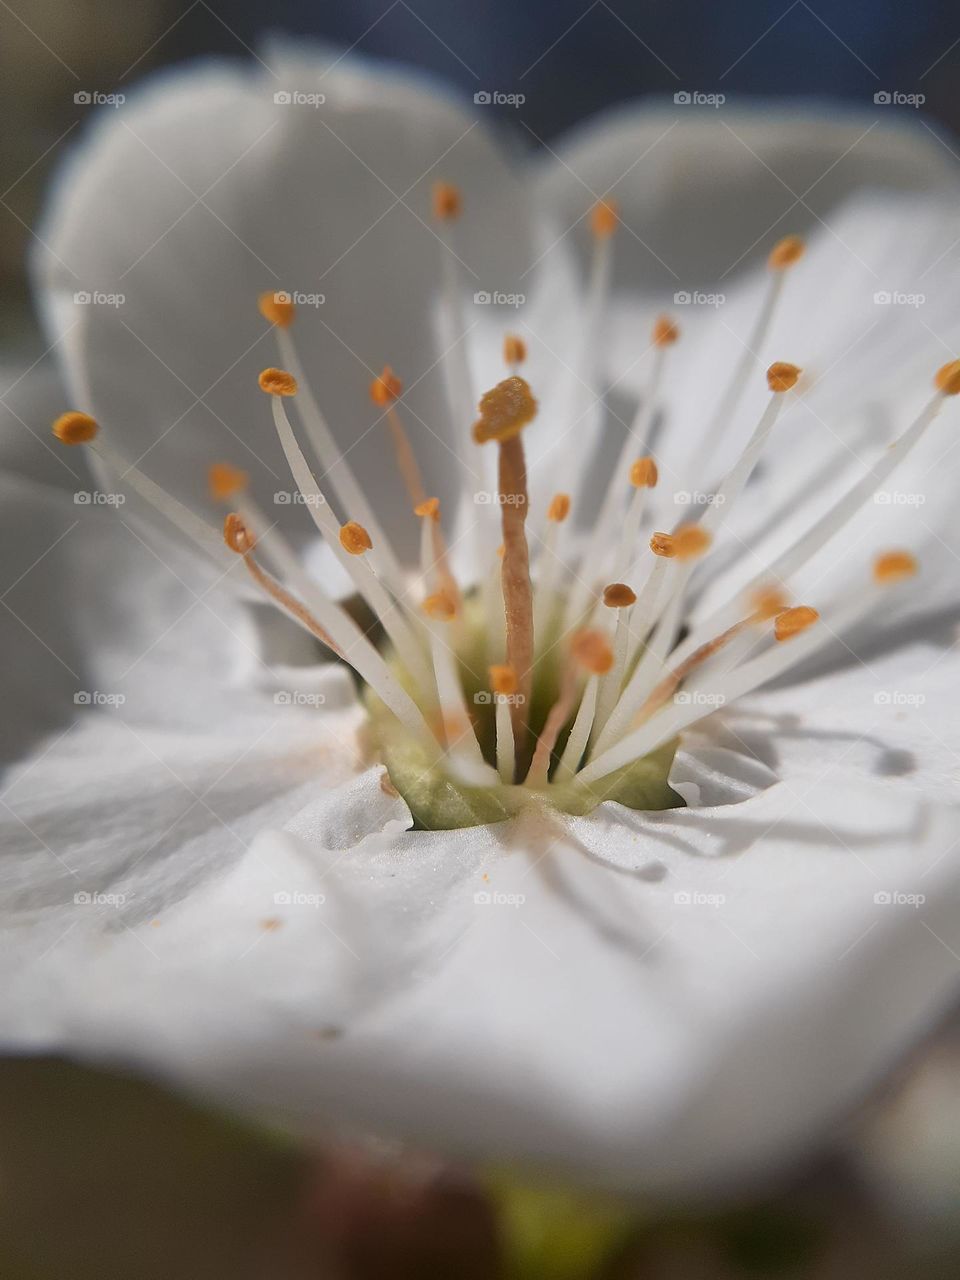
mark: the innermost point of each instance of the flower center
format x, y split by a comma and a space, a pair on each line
566, 673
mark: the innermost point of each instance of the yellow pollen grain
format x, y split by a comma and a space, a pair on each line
387, 388
948, 378
503, 679
354, 538
767, 602
514, 349
781, 376
644, 473
792, 621
429, 509
225, 481
617, 595
440, 606
591, 649
891, 566
504, 411
237, 535
278, 308
663, 544
785, 253
447, 201
277, 382
559, 508
666, 331
690, 541
75, 428
604, 217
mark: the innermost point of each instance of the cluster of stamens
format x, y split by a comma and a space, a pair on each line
604, 612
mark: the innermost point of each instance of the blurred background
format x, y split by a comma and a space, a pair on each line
208, 1199
570, 58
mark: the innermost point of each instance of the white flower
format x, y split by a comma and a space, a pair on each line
202, 876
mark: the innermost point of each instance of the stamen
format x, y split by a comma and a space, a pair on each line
643, 476
589, 650
559, 508
585, 368
604, 219
592, 650
429, 509
461, 391
514, 352
892, 566
80, 428
676, 553
668, 722
75, 428
336, 468
843, 510
335, 629
277, 382
619, 596
354, 538
226, 482
363, 573
783, 256
464, 757
665, 334
385, 390
429, 512
440, 607
447, 202
792, 621
503, 682
504, 412
278, 308
546, 602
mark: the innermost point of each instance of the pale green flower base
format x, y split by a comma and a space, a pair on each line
439, 803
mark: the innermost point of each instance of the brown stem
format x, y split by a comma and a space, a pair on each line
515, 581
288, 602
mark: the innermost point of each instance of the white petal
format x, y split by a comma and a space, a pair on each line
212, 193
671, 167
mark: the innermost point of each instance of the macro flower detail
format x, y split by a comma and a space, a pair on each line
492, 717
579, 713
